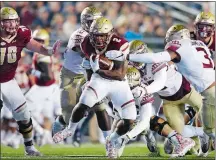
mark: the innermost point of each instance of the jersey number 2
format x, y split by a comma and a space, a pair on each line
206, 56
11, 56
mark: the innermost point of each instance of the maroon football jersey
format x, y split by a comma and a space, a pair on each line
116, 43
11, 53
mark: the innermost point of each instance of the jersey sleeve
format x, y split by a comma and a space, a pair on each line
76, 38
24, 34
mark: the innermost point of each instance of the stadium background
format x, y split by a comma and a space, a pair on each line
147, 21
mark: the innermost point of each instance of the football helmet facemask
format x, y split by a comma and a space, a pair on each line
101, 31
133, 76
88, 15
204, 24
9, 20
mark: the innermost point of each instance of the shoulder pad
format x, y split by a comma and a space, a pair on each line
76, 38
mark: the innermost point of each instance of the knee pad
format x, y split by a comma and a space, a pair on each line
191, 112
157, 126
22, 114
25, 129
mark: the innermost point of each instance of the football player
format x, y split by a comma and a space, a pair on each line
198, 69
104, 83
172, 88
72, 75
42, 105
13, 39
204, 30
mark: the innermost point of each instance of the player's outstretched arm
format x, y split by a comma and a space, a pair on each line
35, 46
164, 56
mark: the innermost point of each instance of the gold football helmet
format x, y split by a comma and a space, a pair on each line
204, 24
8, 14
101, 31
41, 35
88, 15
177, 32
137, 47
133, 76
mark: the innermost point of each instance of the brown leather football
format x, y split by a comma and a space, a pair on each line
104, 62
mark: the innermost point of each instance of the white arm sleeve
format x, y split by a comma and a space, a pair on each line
144, 121
160, 78
150, 57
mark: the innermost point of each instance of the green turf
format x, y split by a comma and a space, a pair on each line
87, 151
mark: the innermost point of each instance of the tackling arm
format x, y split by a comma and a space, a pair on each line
160, 78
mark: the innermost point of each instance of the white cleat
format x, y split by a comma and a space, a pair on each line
111, 151
60, 136
185, 144
32, 151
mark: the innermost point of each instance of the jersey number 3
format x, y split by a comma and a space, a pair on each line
206, 56
11, 56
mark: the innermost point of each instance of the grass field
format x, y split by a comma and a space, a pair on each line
88, 151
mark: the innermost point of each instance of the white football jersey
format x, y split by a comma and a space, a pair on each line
173, 82
72, 59
195, 63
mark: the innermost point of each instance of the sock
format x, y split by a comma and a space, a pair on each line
72, 126
114, 136
172, 137
106, 133
191, 131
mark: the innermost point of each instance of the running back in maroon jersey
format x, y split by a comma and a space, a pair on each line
11, 53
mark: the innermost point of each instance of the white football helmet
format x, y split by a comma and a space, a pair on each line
88, 15
177, 32
9, 20
101, 31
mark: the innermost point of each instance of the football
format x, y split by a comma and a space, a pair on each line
104, 62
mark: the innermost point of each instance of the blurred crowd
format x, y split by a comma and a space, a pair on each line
132, 20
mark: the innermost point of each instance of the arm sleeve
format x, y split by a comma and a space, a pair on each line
150, 57
143, 123
159, 81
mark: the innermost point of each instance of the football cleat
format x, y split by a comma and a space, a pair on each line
32, 151
184, 145
60, 136
111, 151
